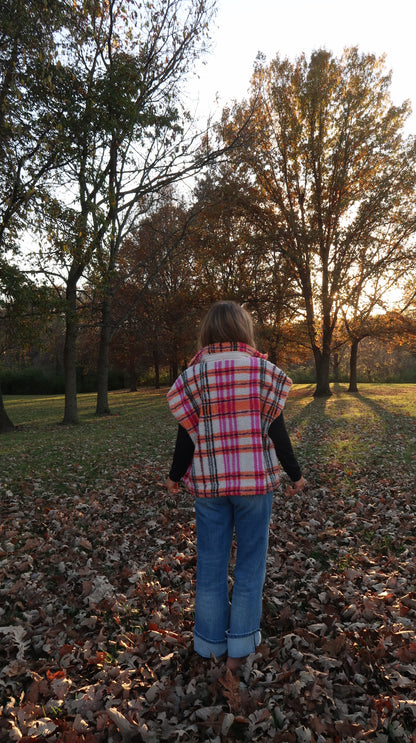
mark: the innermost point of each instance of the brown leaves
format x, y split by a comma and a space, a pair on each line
96, 596
231, 686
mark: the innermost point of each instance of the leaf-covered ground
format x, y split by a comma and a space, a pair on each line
97, 586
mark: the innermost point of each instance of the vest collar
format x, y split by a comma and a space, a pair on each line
216, 348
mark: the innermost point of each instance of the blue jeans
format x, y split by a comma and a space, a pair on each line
221, 627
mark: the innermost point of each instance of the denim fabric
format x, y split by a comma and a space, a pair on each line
221, 627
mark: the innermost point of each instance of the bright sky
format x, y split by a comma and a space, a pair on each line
290, 27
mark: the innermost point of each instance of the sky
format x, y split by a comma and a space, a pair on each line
242, 28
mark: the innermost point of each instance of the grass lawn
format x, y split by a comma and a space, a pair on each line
140, 428
97, 580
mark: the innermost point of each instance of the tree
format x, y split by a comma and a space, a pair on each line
360, 321
30, 148
326, 149
157, 300
224, 243
227, 242
378, 272
29, 132
24, 309
127, 140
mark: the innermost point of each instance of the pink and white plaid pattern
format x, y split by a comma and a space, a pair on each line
226, 400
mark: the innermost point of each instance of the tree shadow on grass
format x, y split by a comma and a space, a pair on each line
394, 442
306, 421
351, 436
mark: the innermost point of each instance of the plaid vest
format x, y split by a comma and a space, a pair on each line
226, 400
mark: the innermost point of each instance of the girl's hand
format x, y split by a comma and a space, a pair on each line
295, 487
172, 487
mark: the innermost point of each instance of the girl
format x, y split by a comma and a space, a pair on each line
228, 404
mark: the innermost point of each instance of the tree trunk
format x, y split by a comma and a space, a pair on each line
5, 423
70, 349
353, 366
103, 407
132, 367
322, 366
156, 365
174, 370
335, 366
322, 355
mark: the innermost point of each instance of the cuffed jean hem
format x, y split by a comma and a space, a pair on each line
205, 647
238, 646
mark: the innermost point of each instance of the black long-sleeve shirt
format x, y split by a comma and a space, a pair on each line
184, 451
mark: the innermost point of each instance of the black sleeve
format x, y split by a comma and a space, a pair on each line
182, 456
283, 447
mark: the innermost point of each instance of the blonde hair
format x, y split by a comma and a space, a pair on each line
226, 322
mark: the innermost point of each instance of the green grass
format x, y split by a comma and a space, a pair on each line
360, 429
344, 433
140, 428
